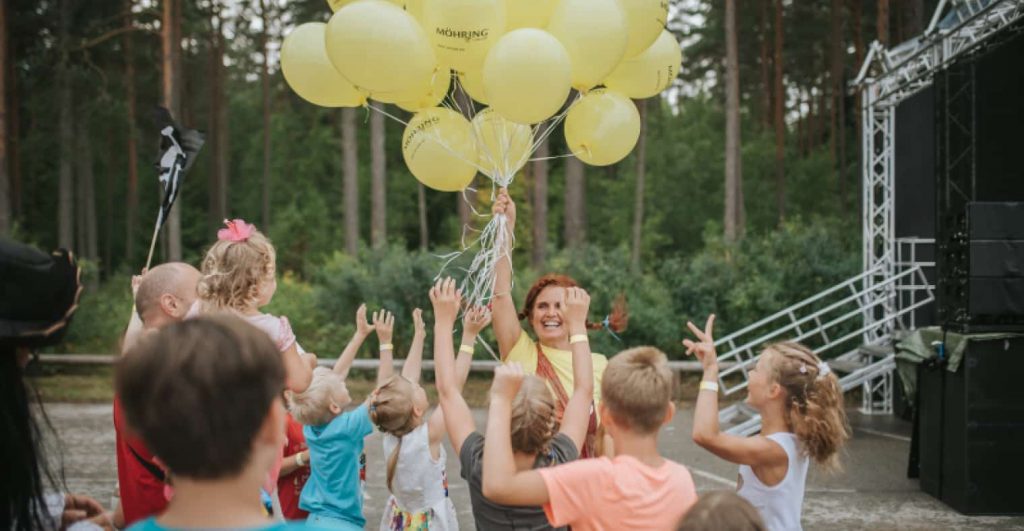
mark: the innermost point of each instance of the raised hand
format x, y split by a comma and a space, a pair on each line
508, 378
503, 204
476, 319
384, 324
577, 306
363, 328
420, 328
446, 300
704, 347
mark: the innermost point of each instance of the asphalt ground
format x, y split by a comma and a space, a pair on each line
872, 491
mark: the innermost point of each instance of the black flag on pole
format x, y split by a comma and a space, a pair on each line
178, 149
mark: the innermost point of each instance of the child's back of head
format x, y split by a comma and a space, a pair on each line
722, 510
237, 268
637, 389
198, 392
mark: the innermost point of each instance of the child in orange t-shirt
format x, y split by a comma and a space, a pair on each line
637, 489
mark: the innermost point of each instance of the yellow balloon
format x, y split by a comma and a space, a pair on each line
650, 72
415, 8
381, 50
439, 148
503, 146
338, 4
594, 34
463, 30
438, 90
528, 13
309, 72
602, 127
645, 20
527, 76
473, 83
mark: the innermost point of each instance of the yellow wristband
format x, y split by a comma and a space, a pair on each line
387, 346
578, 338
709, 386
468, 349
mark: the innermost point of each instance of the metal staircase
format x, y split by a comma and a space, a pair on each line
850, 325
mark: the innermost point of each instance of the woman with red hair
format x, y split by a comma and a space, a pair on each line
550, 356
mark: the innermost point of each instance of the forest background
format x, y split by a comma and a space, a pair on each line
740, 217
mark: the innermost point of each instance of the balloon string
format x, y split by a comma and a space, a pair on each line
553, 157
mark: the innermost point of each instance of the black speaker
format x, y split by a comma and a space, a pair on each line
982, 429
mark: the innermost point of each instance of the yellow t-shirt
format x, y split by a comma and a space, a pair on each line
525, 352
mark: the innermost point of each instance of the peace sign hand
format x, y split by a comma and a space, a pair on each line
704, 348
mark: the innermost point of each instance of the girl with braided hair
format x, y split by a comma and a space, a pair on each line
550, 356
802, 419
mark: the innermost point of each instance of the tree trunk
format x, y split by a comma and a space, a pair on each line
575, 203
5, 182
538, 255
837, 118
265, 75
13, 132
733, 159
780, 125
421, 204
882, 24
218, 162
911, 14
132, 199
378, 183
171, 52
638, 193
857, 15
108, 199
350, 179
86, 200
66, 211
765, 64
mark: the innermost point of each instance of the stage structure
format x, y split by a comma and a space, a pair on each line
853, 322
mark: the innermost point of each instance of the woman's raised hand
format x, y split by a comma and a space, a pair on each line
503, 204
420, 328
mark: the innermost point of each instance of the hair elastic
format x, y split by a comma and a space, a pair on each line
387, 346
823, 370
468, 349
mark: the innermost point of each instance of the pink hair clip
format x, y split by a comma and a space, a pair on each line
237, 231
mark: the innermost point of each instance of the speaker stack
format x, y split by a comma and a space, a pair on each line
971, 422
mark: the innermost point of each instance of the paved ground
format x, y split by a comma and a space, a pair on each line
872, 492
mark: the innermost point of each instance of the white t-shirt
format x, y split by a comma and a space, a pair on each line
780, 505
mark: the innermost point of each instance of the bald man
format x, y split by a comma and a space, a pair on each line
163, 296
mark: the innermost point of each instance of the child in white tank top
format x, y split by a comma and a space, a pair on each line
802, 418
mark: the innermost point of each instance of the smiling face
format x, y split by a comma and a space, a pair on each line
547, 316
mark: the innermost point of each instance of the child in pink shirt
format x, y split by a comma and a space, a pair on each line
637, 489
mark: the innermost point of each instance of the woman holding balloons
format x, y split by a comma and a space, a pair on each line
550, 356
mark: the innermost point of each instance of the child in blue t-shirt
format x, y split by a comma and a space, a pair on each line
332, 494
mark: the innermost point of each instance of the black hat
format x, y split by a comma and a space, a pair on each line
38, 294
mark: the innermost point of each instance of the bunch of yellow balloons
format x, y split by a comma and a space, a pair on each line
523, 59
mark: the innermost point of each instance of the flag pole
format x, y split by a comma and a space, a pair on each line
152, 244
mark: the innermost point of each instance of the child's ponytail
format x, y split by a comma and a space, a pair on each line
391, 410
815, 409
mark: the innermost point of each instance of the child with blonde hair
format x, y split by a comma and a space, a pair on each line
802, 418
335, 437
238, 275
636, 489
416, 459
537, 440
